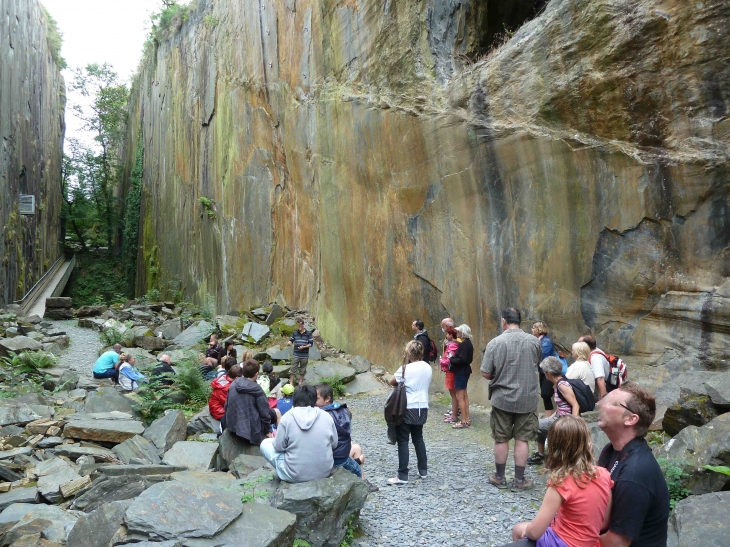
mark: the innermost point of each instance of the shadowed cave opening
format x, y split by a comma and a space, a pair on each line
497, 20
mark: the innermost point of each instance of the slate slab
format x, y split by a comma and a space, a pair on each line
146, 470
17, 414
106, 489
202, 422
255, 331
194, 334
58, 523
167, 430
700, 520
718, 388
196, 456
171, 510
108, 399
18, 344
208, 479
360, 364
51, 475
276, 313
170, 328
21, 451
260, 525
366, 382
109, 431
19, 495
73, 452
138, 449
246, 463
98, 529
318, 370
282, 354
230, 447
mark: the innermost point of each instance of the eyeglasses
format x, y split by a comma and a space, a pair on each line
627, 408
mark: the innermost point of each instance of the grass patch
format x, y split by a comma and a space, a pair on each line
336, 383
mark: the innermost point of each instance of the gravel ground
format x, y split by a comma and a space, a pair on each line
84, 349
455, 505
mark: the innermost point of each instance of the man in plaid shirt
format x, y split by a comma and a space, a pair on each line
510, 363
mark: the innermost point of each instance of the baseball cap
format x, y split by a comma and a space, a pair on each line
287, 389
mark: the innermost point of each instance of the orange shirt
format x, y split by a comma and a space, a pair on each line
579, 519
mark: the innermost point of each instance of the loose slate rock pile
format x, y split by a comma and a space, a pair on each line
107, 479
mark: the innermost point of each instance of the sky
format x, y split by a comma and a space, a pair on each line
101, 31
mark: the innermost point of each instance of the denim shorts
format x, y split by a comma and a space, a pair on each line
351, 465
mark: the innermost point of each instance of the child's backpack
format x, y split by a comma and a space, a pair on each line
432, 352
583, 395
618, 371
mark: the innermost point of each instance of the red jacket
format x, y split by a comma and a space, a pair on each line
217, 402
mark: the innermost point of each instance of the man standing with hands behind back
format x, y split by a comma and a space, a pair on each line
302, 340
510, 363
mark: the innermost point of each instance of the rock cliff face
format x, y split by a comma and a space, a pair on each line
359, 164
32, 102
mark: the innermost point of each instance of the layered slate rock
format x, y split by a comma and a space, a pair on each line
194, 334
322, 507
108, 399
365, 383
51, 475
246, 464
75, 451
230, 447
19, 495
18, 344
258, 525
692, 408
196, 456
172, 510
700, 520
96, 429
137, 450
106, 489
101, 527
203, 422
255, 332
360, 364
17, 414
50, 521
318, 370
167, 430
170, 328
695, 447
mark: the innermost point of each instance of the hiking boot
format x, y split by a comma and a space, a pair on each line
519, 486
395, 481
499, 482
371, 487
536, 459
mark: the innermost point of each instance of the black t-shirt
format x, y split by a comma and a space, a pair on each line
640, 497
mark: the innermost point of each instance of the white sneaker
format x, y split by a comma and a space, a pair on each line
395, 481
424, 475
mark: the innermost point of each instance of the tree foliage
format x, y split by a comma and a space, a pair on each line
130, 242
55, 39
91, 174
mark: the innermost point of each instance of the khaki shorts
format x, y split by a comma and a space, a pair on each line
299, 365
508, 425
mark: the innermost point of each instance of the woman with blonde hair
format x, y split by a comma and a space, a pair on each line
577, 504
581, 368
416, 373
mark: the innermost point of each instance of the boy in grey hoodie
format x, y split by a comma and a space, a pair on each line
306, 436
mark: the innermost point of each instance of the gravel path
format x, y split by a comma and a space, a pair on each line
84, 349
455, 505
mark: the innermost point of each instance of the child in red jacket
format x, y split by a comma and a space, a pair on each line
217, 402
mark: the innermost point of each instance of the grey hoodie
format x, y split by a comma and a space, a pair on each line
307, 435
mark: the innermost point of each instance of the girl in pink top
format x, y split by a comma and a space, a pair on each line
577, 504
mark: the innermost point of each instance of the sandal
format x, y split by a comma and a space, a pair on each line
461, 425
450, 420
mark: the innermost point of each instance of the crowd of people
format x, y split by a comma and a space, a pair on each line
621, 500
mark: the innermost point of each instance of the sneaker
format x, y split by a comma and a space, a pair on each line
518, 486
536, 459
423, 475
371, 487
395, 481
500, 483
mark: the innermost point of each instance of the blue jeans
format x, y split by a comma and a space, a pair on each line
351, 465
275, 458
110, 373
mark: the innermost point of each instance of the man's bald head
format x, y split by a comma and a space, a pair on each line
165, 358
448, 322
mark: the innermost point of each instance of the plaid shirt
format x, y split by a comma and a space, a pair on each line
512, 359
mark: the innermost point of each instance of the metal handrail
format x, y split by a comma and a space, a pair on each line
61, 258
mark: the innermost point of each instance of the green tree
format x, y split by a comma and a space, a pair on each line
103, 114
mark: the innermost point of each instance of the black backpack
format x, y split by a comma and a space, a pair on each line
583, 395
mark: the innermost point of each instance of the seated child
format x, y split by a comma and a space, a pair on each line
129, 377
577, 504
284, 404
217, 402
347, 454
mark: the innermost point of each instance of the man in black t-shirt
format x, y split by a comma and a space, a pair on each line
640, 509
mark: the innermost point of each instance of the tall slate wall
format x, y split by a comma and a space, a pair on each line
362, 166
32, 102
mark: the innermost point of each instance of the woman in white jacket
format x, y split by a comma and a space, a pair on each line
417, 376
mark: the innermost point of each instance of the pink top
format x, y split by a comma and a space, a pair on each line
450, 347
579, 519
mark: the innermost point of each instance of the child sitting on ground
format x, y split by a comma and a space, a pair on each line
577, 504
267, 380
347, 454
217, 401
129, 377
284, 404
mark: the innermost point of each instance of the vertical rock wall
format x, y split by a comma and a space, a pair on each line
32, 102
361, 166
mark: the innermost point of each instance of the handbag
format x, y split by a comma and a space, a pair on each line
396, 404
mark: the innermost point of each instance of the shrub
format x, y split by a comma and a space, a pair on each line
55, 39
207, 310
188, 380
111, 336
674, 474
337, 385
30, 361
